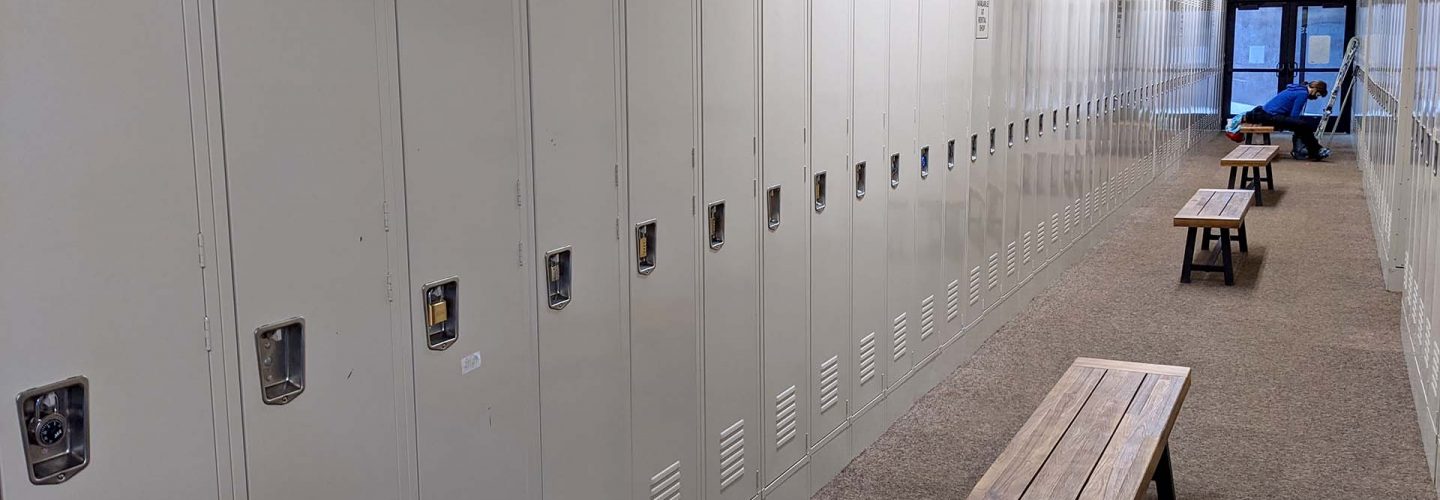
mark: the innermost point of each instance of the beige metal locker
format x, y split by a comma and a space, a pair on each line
959, 75
103, 269
584, 356
663, 258
930, 282
902, 152
472, 299
308, 108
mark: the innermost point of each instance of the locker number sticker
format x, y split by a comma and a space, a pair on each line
982, 19
470, 363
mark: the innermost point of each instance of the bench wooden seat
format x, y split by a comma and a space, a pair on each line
1219, 209
1250, 159
1251, 130
1102, 433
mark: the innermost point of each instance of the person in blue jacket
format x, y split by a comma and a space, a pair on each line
1286, 112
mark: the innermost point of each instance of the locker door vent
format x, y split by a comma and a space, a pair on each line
1055, 228
787, 422
867, 358
829, 383
1040, 237
975, 285
1010, 253
993, 271
1075, 214
1068, 218
952, 301
1025, 248
732, 454
666, 484
898, 337
927, 317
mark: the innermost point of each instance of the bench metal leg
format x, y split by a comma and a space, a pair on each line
1164, 477
1232, 178
1255, 184
1244, 243
1189, 253
1205, 238
1225, 252
1249, 139
1270, 176
1267, 139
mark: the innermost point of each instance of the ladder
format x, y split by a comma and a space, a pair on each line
1327, 121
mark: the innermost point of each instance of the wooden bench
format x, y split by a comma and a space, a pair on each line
1102, 433
1250, 130
1222, 209
1252, 158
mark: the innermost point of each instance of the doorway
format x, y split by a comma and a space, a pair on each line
1271, 44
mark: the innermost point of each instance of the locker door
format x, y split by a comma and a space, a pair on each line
303, 109
977, 253
902, 174
1045, 87
733, 429
871, 343
1070, 163
785, 188
105, 283
584, 356
832, 188
464, 157
994, 152
1024, 127
960, 36
1010, 67
1084, 127
930, 207
663, 259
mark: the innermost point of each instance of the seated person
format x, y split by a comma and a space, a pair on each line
1285, 112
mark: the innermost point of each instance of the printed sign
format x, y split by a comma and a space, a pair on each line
982, 19
1319, 49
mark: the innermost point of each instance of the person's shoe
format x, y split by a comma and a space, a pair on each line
1298, 155
1323, 154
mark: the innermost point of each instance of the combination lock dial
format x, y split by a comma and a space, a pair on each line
49, 431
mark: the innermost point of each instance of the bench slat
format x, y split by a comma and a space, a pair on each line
1065, 472
1217, 203
1217, 208
1250, 156
1012, 471
1145, 428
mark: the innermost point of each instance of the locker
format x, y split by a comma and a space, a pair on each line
1025, 128
584, 357
871, 341
96, 114
832, 184
461, 104
785, 268
902, 160
663, 257
994, 151
960, 36
978, 258
931, 183
307, 103
1014, 170
733, 430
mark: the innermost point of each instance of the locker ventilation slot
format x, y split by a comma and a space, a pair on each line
829, 383
1040, 237
732, 454
867, 358
901, 323
1025, 249
787, 423
993, 271
952, 300
1055, 228
666, 484
1069, 220
1010, 259
975, 285
927, 317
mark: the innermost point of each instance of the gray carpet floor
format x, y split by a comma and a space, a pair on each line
1299, 383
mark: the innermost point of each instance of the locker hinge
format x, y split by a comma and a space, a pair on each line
200, 242
754, 145
520, 254
692, 158
805, 135
389, 289
385, 213
517, 193
617, 175
692, 204
617, 228
207, 333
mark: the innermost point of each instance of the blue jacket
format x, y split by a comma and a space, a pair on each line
1289, 102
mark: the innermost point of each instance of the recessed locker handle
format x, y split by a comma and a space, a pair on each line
772, 208
974, 148
1027, 130
924, 162
1055, 120
992, 140
55, 430
1041, 127
715, 220
894, 170
820, 191
280, 354
860, 180
558, 277
1010, 135
950, 154
442, 313
646, 241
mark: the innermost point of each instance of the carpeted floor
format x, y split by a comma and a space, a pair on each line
1299, 382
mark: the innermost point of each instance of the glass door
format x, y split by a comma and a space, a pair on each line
1273, 43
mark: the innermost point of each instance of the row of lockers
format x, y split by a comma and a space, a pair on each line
1398, 133
540, 249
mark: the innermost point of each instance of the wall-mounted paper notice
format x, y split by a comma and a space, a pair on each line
1257, 54
1319, 49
